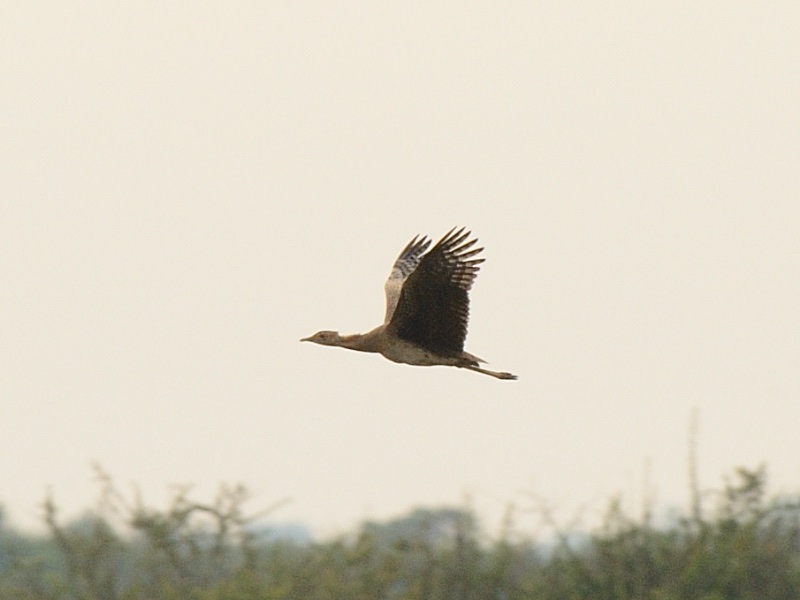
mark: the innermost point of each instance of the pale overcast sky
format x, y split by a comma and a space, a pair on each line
190, 187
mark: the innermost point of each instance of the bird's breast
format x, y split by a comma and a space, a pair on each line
404, 352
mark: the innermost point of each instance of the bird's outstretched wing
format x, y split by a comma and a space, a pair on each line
403, 267
433, 308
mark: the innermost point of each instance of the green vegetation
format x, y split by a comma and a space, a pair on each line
747, 548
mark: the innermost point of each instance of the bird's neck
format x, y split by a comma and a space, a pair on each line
363, 342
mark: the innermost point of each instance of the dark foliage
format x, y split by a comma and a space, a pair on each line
748, 549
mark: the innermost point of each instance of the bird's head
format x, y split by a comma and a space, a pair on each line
326, 338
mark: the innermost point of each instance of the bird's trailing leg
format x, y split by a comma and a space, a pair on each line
497, 374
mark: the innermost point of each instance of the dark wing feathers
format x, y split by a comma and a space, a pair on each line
433, 308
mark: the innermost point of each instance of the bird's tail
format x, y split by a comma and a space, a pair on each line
472, 359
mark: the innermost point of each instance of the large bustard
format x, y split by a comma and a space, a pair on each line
427, 307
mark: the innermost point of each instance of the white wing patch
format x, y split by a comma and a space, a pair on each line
403, 267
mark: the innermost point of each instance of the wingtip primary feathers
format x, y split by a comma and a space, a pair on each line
406, 263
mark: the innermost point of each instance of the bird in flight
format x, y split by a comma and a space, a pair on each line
427, 307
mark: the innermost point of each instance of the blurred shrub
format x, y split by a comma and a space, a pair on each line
747, 549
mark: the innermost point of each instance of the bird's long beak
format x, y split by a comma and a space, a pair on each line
305, 339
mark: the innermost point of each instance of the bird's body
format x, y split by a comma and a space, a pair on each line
427, 307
